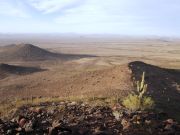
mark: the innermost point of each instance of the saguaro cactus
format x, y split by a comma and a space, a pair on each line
141, 87
139, 101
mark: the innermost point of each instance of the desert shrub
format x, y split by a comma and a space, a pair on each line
138, 101
133, 102
148, 103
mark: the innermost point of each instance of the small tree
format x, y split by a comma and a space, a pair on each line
139, 101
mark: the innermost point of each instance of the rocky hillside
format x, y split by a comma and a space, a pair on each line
117, 82
24, 52
163, 85
72, 118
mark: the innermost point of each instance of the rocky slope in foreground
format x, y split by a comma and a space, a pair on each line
71, 118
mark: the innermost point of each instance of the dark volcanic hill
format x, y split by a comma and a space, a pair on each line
6, 70
163, 85
29, 52
161, 81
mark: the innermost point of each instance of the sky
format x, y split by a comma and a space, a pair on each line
124, 17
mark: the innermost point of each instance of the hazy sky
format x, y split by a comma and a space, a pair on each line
125, 17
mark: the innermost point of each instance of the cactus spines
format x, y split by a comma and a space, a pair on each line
141, 86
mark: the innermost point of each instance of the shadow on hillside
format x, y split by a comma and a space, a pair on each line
6, 70
65, 57
163, 86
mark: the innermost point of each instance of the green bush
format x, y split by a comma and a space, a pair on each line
139, 101
148, 103
134, 103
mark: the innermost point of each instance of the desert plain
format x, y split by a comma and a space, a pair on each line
106, 58
89, 66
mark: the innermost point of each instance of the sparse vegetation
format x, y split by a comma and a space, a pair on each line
139, 101
8, 106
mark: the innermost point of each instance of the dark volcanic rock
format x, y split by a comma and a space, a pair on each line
71, 118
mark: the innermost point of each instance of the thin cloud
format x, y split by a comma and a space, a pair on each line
92, 16
51, 6
12, 9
